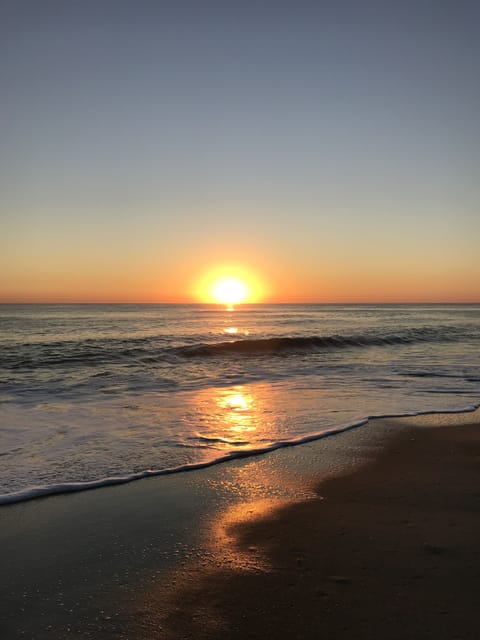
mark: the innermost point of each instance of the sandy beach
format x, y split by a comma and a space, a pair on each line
239, 320
387, 551
371, 533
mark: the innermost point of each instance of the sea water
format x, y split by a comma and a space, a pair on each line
97, 394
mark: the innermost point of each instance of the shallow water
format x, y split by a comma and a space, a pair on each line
96, 392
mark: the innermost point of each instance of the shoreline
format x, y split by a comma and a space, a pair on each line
388, 550
38, 492
106, 563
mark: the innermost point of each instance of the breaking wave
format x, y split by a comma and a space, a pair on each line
305, 344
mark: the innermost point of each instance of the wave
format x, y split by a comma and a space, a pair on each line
69, 487
158, 349
305, 344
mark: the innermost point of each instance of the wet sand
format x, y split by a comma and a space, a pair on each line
388, 551
372, 533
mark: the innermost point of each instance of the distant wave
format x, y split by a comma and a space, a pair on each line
305, 344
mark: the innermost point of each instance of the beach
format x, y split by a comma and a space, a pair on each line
370, 533
239, 320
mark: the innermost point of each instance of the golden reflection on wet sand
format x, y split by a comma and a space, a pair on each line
224, 534
258, 489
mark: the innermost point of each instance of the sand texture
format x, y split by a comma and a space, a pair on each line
388, 551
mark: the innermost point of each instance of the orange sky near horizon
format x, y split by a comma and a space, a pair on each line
302, 279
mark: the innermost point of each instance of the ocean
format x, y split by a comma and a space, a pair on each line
100, 394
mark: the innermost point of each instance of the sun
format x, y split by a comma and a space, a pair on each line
230, 291
229, 285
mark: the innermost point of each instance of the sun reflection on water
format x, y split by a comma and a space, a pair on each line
233, 331
237, 416
238, 407
230, 330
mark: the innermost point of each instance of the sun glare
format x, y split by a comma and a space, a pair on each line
229, 286
230, 291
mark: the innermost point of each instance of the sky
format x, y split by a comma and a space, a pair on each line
330, 149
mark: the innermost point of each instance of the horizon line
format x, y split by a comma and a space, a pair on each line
243, 304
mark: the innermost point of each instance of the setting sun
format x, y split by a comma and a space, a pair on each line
230, 291
229, 285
